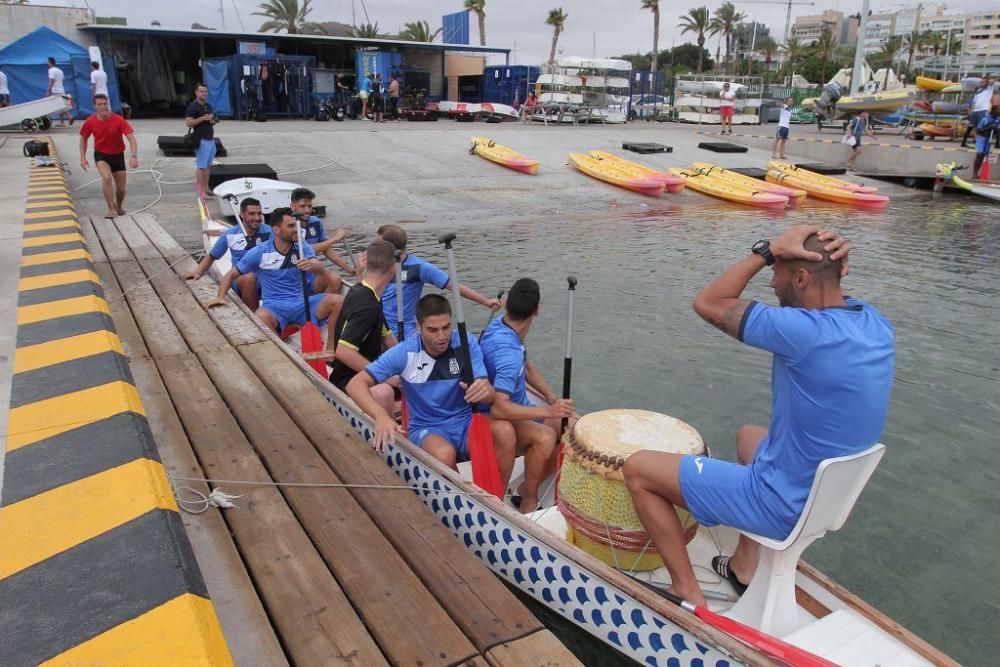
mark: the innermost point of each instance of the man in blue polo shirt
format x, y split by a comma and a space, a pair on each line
522, 425
416, 273
279, 264
830, 381
237, 241
430, 371
315, 234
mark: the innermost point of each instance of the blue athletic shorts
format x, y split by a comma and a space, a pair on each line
782, 133
723, 493
294, 312
456, 434
206, 153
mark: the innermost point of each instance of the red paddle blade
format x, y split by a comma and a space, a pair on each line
763, 642
312, 341
482, 454
288, 331
405, 410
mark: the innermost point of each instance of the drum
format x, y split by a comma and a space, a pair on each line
592, 494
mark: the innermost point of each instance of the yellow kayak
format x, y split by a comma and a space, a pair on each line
819, 179
673, 183
934, 85
953, 88
889, 100
794, 195
728, 191
511, 159
609, 173
797, 179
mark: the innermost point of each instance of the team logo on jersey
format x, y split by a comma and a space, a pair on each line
453, 366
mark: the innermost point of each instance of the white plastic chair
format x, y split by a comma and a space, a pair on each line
769, 601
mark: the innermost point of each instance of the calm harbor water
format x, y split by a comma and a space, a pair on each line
921, 542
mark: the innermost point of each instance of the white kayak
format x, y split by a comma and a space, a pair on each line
486, 108
270, 193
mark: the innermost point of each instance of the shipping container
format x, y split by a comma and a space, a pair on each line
507, 84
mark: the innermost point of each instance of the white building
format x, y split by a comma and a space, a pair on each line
878, 29
982, 33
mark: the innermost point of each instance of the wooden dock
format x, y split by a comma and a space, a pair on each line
319, 563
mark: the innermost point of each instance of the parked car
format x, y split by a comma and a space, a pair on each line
648, 106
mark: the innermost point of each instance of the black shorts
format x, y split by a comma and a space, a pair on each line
115, 160
377, 104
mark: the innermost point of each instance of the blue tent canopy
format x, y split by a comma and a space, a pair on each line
25, 62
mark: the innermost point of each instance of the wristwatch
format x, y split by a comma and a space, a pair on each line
763, 248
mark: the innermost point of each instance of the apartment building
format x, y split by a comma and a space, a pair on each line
982, 33
807, 29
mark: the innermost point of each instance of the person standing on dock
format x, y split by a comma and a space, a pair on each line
418, 272
4, 91
57, 87
727, 102
237, 241
108, 128
279, 264
521, 425
989, 125
857, 128
302, 205
979, 106
394, 98
98, 80
784, 127
200, 118
831, 376
430, 370
360, 333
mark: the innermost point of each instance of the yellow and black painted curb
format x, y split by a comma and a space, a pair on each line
95, 566
813, 140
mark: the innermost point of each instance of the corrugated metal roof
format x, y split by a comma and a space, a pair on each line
266, 36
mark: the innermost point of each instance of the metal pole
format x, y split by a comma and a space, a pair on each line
857, 73
947, 53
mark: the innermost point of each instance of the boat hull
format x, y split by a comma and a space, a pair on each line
602, 171
795, 196
820, 179
270, 193
934, 85
670, 182
494, 152
729, 192
867, 200
34, 109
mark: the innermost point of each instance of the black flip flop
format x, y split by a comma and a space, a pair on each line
720, 565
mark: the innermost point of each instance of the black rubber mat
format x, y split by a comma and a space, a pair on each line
752, 172
647, 148
820, 168
722, 147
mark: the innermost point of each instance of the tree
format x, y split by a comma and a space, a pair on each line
654, 6
724, 22
478, 7
696, 21
419, 31
287, 15
826, 48
794, 50
557, 18
914, 41
367, 30
887, 53
687, 56
768, 48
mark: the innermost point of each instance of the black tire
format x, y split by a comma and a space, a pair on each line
45, 122
322, 115
29, 125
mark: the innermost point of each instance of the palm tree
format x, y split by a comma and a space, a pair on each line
557, 18
478, 7
419, 31
696, 21
887, 52
724, 22
654, 6
287, 15
768, 48
826, 48
914, 41
367, 30
794, 50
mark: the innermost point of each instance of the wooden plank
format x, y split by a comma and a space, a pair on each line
409, 625
540, 649
315, 620
205, 289
894, 629
485, 609
164, 242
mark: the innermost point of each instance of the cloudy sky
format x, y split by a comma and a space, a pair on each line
616, 26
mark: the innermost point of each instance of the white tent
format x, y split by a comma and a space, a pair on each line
843, 77
887, 79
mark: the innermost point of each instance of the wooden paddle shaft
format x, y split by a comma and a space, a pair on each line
305, 280
568, 360
400, 323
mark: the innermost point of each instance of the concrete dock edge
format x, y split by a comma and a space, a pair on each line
95, 566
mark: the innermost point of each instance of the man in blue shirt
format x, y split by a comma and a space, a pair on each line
830, 381
430, 372
522, 426
315, 233
279, 264
237, 241
200, 119
416, 273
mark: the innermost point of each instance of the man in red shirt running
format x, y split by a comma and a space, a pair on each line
108, 129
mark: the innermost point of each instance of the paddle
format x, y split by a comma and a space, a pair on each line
235, 203
494, 314
763, 642
309, 334
567, 372
401, 330
482, 454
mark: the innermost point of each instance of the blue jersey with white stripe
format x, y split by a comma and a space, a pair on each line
277, 275
506, 360
315, 232
416, 273
430, 384
238, 243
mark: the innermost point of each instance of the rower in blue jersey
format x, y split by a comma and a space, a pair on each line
416, 273
522, 426
237, 240
430, 372
315, 233
279, 264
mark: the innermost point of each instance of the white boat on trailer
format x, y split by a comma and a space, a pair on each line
531, 553
33, 116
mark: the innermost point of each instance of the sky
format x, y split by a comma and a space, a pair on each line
594, 27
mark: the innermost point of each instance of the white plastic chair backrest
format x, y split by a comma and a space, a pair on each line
838, 483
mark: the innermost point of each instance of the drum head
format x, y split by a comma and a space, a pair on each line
622, 432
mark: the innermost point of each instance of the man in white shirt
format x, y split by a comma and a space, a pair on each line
784, 125
4, 91
56, 87
979, 107
727, 100
98, 80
